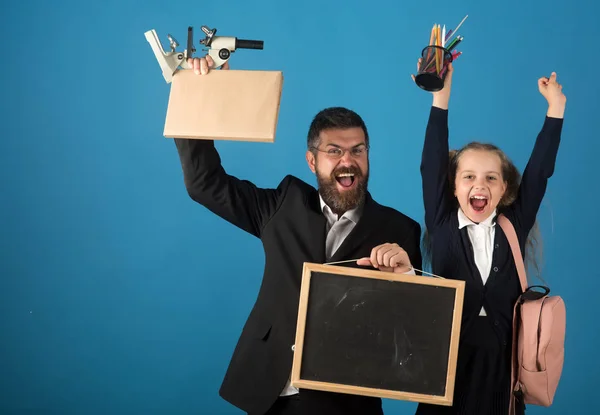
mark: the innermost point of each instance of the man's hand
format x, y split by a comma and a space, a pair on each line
388, 258
202, 65
552, 91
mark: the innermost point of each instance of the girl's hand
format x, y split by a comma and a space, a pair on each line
441, 98
552, 91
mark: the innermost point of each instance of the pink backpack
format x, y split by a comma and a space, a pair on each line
539, 325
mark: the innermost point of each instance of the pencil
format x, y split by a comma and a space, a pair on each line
438, 62
431, 40
457, 40
459, 25
448, 33
444, 36
432, 37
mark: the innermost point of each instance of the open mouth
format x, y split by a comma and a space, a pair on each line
346, 180
478, 202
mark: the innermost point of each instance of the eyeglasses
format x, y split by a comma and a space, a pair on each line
338, 153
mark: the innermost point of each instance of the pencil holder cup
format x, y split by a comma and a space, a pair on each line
433, 68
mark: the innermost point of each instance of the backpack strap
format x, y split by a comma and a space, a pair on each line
511, 235
516, 398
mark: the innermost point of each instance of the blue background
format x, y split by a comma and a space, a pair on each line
119, 295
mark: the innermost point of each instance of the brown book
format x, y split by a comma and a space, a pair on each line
238, 105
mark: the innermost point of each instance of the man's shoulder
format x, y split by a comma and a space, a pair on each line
294, 193
293, 183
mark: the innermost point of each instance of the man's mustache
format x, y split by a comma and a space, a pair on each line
347, 169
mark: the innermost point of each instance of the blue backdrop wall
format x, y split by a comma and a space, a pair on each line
119, 295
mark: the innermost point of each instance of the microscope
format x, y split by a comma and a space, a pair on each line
219, 49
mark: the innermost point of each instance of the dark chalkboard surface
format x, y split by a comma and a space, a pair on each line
380, 334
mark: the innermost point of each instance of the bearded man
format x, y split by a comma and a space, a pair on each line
296, 223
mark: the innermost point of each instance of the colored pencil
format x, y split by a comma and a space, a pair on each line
440, 42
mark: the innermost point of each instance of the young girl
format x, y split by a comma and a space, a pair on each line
463, 193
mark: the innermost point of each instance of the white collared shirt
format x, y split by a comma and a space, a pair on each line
482, 239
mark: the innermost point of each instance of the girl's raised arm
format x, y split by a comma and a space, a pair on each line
435, 157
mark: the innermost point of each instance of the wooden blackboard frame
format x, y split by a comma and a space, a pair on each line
298, 382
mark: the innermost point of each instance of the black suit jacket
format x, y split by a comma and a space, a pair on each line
289, 222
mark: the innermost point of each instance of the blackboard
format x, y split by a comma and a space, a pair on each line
373, 333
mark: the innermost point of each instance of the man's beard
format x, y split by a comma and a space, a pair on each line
341, 202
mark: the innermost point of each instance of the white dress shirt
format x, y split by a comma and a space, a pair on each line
482, 240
